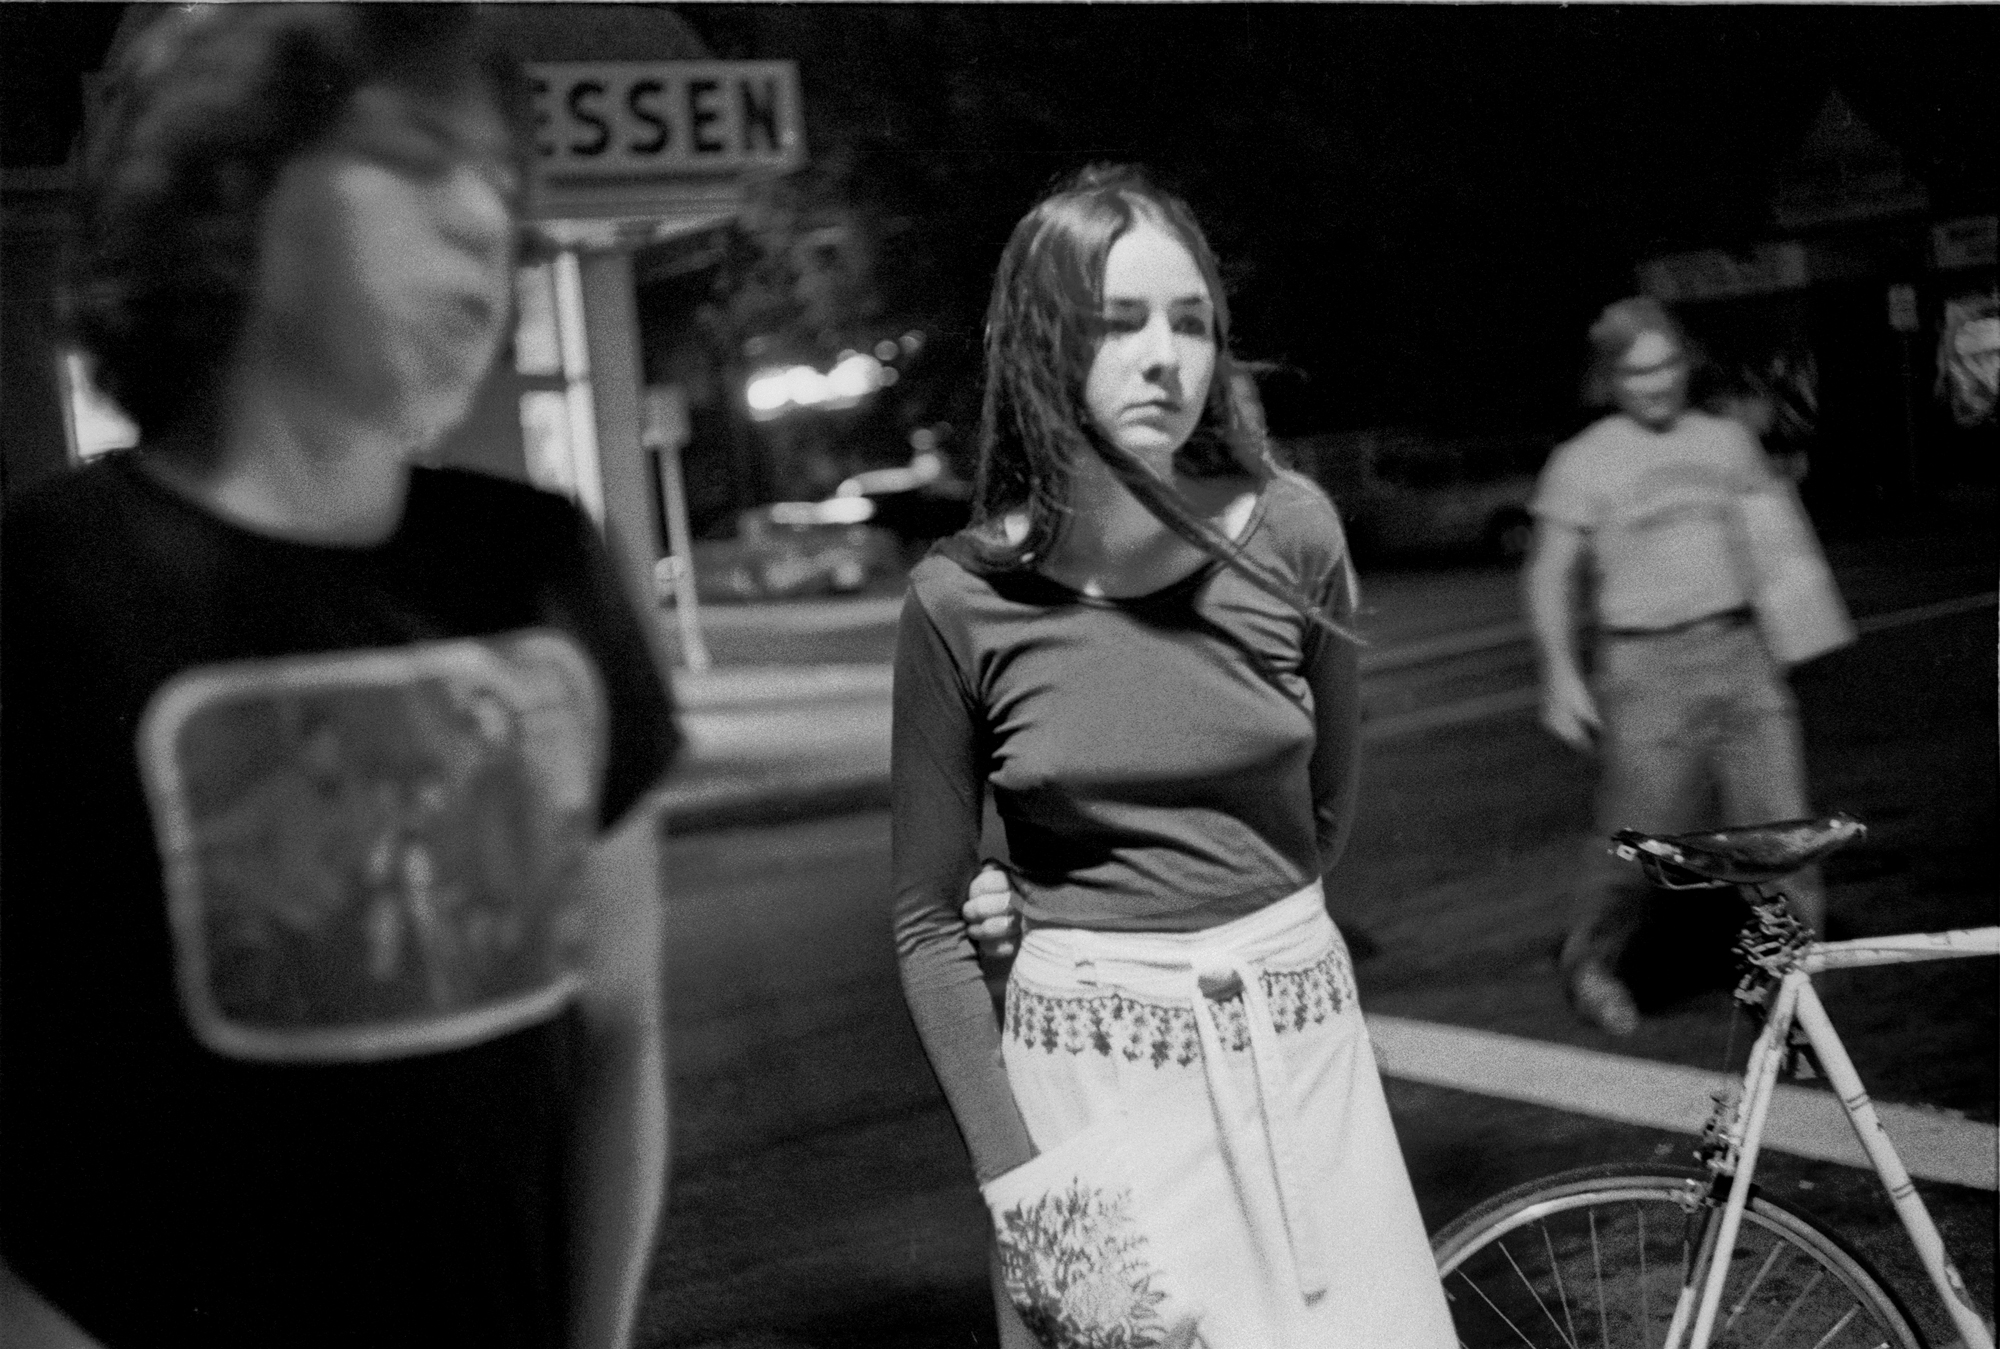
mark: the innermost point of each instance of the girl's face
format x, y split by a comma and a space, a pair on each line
1149, 379
386, 264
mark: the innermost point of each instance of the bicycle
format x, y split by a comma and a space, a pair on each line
1568, 1261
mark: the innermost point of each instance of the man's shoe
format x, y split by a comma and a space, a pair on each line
1603, 1001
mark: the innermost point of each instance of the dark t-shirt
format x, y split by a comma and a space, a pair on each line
1167, 762
287, 1045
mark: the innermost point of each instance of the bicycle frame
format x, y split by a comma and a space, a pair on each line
1797, 1003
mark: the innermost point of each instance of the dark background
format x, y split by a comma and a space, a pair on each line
1420, 207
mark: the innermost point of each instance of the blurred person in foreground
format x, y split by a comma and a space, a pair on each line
330, 952
1685, 699
1141, 647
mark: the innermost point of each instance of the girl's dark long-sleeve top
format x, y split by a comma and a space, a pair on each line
1162, 763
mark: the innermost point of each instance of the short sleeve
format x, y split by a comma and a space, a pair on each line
1748, 462
1563, 492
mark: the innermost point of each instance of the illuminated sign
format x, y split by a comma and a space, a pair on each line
639, 121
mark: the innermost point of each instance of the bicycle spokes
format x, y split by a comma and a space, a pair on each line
1610, 1268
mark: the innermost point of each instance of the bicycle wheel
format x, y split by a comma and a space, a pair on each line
1595, 1258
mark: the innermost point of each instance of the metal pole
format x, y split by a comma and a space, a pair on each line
673, 490
579, 401
1904, 320
1912, 479
1900, 948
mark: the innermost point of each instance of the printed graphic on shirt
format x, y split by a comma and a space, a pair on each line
372, 854
1676, 493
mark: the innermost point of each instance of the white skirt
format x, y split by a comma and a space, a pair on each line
1216, 1162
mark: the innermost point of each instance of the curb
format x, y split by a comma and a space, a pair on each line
703, 808
733, 686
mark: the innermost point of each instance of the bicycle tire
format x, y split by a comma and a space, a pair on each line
1567, 1262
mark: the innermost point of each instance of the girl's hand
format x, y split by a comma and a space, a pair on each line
991, 913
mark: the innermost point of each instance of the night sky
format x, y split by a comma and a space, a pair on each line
1419, 207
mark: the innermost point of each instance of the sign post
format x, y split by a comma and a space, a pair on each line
1903, 319
630, 154
667, 431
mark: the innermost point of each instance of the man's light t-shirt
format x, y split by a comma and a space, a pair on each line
1659, 508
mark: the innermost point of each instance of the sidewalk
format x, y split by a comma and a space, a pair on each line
770, 743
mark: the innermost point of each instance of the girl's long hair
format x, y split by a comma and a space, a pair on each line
1042, 331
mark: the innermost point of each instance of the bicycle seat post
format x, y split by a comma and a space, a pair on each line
1759, 1083
1771, 940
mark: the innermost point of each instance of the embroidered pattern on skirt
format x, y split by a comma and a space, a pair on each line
1163, 1033
1074, 1266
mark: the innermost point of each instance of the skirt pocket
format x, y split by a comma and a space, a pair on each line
1133, 1233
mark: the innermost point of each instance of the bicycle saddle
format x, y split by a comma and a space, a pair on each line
1750, 854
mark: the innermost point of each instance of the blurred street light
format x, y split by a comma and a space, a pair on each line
774, 391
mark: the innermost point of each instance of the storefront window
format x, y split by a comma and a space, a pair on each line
95, 424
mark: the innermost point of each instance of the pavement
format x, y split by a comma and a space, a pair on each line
769, 744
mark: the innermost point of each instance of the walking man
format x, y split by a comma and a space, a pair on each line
1683, 696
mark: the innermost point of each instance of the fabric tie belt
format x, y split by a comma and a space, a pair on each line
1214, 966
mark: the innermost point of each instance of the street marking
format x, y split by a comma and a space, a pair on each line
1481, 708
1943, 608
1486, 706
1475, 640
1443, 647
1806, 1123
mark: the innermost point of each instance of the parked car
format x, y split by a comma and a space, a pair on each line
917, 502
1404, 493
789, 549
